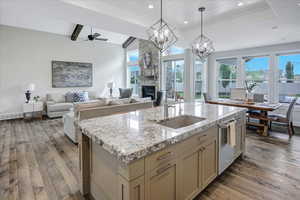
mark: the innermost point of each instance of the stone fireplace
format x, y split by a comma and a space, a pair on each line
149, 64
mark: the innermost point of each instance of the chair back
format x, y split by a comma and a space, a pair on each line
289, 113
159, 98
238, 93
205, 97
258, 98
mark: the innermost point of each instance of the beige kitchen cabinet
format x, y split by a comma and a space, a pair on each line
161, 183
189, 175
198, 164
133, 190
208, 162
179, 172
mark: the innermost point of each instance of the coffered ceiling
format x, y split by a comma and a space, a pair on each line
231, 24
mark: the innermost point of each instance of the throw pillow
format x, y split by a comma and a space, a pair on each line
125, 93
86, 95
69, 97
78, 97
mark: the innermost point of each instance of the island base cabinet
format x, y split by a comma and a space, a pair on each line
189, 175
208, 158
161, 183
133, 190
179, 172
197, 168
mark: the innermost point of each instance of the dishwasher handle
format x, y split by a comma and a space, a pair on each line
226, 124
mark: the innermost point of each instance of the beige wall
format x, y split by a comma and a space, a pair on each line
25, 57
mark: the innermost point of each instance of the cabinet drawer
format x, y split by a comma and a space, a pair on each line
198, 139
160, 158
161, 183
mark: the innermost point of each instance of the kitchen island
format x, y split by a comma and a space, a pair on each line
142, 155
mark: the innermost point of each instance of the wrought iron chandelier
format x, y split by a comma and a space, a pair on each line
161, 34
202, 46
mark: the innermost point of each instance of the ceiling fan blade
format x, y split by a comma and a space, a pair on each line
96, 34
101, 39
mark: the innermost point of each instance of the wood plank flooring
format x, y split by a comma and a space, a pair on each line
37, 162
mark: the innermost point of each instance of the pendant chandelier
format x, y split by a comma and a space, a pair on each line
202, 46
161, 34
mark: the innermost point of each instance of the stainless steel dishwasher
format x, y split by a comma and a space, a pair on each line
226, 151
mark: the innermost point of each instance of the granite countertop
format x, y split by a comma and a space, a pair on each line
134, 135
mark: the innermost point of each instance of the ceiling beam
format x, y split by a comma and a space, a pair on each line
128, 42
76, 32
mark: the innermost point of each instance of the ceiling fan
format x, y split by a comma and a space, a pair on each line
95, 36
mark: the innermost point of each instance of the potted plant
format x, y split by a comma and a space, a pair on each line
36, 98
250, 85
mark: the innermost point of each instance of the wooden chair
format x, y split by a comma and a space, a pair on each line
285, 119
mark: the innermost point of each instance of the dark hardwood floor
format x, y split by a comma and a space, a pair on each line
38, 162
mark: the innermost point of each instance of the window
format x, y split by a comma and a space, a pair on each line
257, 69
227, 76
133, 71
133, 56
134, 79
199, 66
289, 77
173, 51
174, 78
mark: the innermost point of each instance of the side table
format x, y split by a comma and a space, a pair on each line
34, 109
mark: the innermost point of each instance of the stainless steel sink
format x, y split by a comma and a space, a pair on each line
181, 121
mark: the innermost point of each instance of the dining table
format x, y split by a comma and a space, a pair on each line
256, 110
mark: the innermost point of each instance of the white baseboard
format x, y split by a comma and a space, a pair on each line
7, 116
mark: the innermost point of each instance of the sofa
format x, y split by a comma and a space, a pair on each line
59, 104
103, 107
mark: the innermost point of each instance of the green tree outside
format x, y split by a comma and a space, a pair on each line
225, 72
289, 70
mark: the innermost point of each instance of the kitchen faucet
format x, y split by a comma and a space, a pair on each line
167, 106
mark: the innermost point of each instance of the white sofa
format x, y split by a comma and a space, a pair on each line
57, 104
102, 108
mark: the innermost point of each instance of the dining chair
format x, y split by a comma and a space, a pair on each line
205, 97
238, 94
159, 98
258, 98
285, 119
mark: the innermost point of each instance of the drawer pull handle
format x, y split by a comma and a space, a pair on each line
163, 169
165, 156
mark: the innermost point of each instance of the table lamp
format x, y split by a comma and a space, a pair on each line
30, 89
110, 85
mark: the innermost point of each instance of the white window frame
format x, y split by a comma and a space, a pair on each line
218, 73
128, 65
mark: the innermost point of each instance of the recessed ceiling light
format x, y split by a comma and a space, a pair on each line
150, 6
298, 4
240, 4
185, 22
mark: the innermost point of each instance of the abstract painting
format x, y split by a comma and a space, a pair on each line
71, 74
